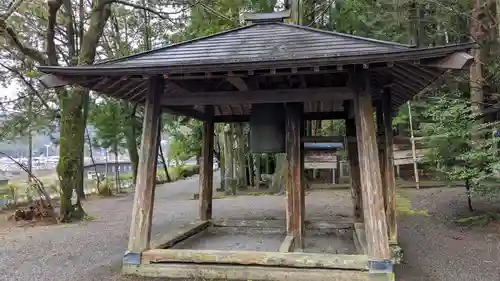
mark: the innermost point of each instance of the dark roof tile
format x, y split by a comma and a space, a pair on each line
259, 42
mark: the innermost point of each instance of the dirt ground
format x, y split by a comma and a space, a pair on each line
436, 249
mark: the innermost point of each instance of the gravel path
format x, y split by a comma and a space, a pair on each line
435, 249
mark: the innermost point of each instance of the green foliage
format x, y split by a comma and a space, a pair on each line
108, 118
185, 137
460, 148
480, 220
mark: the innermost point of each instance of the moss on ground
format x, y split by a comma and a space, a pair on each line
404, 206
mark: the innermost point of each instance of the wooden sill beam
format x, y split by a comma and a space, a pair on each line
248, 223
280, 223
303, 260
238, 272
397, 140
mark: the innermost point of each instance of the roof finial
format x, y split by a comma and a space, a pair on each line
266, 17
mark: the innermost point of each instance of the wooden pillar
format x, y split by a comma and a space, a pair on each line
371, 180
142, 212
303, 183
207, 164
295, 187
388, 177
352, 154
380, 142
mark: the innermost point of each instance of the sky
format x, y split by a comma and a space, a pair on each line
9, 92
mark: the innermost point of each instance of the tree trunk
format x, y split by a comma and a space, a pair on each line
131, 140
249, 170
240, 156
72, 103
70, 168
117, 172
80, 188
267, 163
257, 160
478, 32
280, 174
469, 195
337, 168
165, 166
98, 179
222, 160
229, 180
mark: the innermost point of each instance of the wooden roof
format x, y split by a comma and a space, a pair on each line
265, 62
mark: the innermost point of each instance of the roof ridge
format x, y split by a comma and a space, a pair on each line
140, 54
317, 30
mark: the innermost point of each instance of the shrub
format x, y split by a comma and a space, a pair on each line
105, 188
177, 173
127, 176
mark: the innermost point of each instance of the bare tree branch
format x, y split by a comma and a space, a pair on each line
161, 15
27, 83
12, 8
11, 36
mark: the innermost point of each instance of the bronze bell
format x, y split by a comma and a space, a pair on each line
267, 128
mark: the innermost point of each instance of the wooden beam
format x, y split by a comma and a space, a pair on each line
306, 116
435, 84
50, 81
171, 86
352, 154
259, 96
369, 166
238, 83
184, 111
206, 172
173, 237
456, 61
238, 272
287, 244
142, 212
389, 178
303, 260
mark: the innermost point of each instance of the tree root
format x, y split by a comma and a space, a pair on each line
36, 210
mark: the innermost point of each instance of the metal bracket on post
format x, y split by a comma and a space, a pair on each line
132, 258
381, 270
